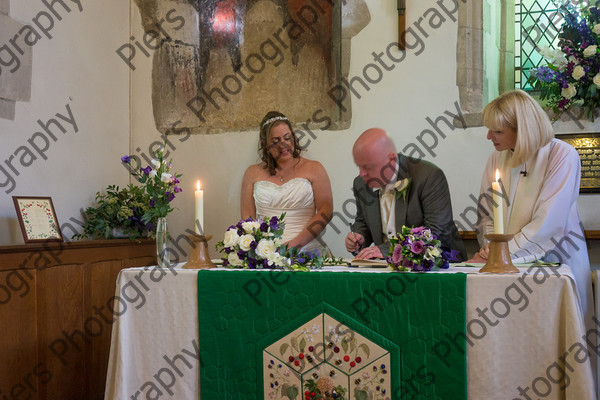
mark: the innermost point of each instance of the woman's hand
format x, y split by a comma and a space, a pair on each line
481, 256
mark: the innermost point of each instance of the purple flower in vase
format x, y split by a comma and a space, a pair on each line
417, 247
126, 159
177, 189
152, 203
146, 170
170, 196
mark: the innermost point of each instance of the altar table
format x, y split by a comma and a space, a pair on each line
535, 350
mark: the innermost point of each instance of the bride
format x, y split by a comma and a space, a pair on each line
286, 182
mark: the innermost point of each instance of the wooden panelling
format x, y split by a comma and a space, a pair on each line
18, 335
55, 322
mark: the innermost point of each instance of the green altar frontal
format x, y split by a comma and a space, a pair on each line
331, 335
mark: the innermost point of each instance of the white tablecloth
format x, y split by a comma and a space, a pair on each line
532, 346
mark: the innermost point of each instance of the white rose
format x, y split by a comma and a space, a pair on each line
590, 51
234, 259
245, 242
274, 258
568, 92
248, 227
278, 242
166, 178
432, 252
264, 248
155, 163
597, 78
231, 238
578, 72
596, 29
152, 173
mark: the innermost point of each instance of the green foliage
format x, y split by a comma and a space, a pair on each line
120, 209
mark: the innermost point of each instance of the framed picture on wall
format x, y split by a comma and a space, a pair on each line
37, 219
588, 147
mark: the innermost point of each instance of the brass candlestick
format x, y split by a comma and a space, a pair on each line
499, 261
199, 258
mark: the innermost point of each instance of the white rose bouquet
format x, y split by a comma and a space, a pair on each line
251, 244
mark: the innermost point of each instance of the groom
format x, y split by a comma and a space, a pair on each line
394, 190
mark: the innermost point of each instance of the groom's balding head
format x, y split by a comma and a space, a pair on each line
374, 153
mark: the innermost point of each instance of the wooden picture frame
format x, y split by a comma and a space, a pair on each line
37, 219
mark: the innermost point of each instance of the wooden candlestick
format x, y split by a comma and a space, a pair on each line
199, 258
499, 261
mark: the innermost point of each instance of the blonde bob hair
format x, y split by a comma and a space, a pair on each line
519, 111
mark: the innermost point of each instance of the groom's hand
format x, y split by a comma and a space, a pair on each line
353, 242
369, 252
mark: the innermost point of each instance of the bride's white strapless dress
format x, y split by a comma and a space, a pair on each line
294, 198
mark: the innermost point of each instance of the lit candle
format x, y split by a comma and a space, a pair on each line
199, 206
498, 204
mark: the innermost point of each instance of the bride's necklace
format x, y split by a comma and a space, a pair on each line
280, 174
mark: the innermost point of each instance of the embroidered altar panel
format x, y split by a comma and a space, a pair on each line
326, 335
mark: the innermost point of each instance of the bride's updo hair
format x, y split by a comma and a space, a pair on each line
269, 121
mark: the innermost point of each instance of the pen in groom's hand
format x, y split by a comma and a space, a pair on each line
355, 252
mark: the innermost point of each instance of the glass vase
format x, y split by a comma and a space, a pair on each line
162, 243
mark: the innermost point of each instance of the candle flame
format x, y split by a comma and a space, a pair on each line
497, 175
198, 184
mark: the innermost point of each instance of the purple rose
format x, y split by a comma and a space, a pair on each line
417, 247
397, 254
126, 159
417, 230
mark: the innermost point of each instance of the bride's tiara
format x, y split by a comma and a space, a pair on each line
278, 118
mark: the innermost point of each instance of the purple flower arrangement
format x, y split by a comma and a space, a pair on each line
158, 181
572, 73
416, 249
257, 244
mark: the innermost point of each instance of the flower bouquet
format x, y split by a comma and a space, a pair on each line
257, 244
416, 249
573, 69
158, 181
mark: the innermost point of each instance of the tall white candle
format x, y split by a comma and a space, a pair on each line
498, 204
199, 210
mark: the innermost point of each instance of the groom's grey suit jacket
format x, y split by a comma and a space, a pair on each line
427, 203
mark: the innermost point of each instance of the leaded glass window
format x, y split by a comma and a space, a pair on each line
537, 24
